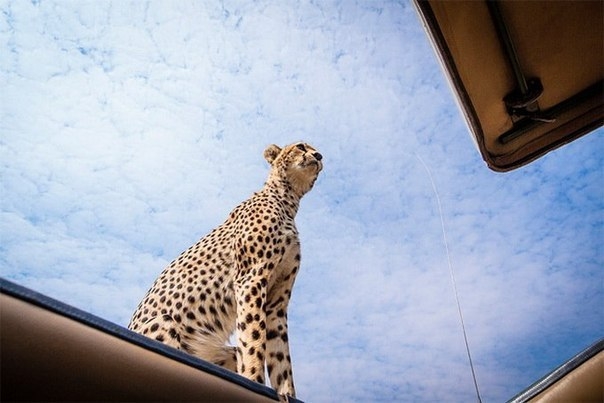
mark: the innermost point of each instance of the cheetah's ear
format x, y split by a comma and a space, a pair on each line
271, 153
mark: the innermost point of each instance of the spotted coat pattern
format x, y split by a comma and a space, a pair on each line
239, 278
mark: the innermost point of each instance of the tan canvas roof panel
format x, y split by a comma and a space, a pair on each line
580, 379
528, 75
53, 352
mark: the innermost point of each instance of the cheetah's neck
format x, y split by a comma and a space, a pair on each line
283, 190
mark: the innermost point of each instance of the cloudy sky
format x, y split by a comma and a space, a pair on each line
128, 130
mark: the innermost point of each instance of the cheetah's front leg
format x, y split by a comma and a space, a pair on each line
250, 294
279, 361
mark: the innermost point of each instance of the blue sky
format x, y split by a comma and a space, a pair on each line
128, 130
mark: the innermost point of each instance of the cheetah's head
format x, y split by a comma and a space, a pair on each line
298, 164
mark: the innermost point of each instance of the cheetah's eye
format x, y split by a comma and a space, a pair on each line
301, 147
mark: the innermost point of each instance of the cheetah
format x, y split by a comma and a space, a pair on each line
238, 279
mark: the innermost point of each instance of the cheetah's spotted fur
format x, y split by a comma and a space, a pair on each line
239, 277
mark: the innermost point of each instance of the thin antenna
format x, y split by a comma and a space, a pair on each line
463, 326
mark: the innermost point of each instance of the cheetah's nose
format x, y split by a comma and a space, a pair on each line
318, 156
